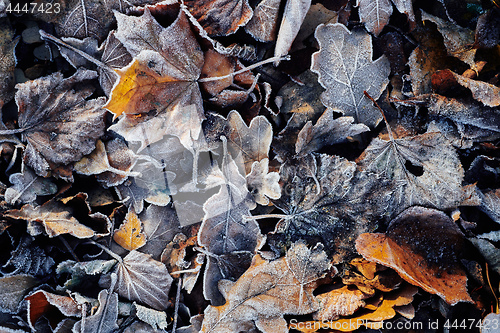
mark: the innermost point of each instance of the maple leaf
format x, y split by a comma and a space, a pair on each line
346, 69
424, 238
325, 200
57, 121
269, 290
130, 235
220, 17
166, 68
438, 182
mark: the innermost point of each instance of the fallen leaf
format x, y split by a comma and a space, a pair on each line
217, 64
220, 17
423, 238
374, 14
143, 279
80, 271
425, 169
7, 61
487, 29
346, 69
166, 68
262, 184
263, 26
458, 40
104, 319
150, 191
339, 302
130, 235
57, 121
26, 186
293, 16
56, 219
28, 258
269, 290
484, 92
12, 291
406, 7
490, 204
41, 302
156, 319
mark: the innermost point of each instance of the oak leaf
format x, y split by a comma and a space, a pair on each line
424, 238
220, 17
269, 290
57, 121
346, 69
130, 235
26, 186
166, 68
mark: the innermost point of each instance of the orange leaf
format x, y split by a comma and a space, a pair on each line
129, 236
421, 245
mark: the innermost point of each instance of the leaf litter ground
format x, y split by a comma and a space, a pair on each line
249, 166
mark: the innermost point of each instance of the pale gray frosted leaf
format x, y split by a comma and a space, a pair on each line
80, 270
439, 184
12, 290
326, 131
160, 225
346, 69
295, 12
143, 279
29, 258
104, 320
27, 186
262, 184
156, 319
115, 55
57, 121
489, 252
493, 236
263, 25
484, 92
490, 204
374, 14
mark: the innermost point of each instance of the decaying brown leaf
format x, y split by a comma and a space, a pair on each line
346, 69
484, 92
423, 238
339, 302
130, 235
263, 26
41, 302
269, 290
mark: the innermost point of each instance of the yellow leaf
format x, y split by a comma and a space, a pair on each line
130, 236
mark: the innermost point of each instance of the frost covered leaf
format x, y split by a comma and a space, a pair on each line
269, 290
339, 302
374, 14
57, 121
225, 233
326, 200
294, 15
156, 319
143, 279
346, 69
130, 235
484, 92
326, 131
167, 64
458, 40
161, 224
26, 186
104, 320
7, 61
29, 258
263, 25
490, 204
220, 17
424, 168
41, 302
262, 184
157, 193
424, 238
56, 218
80, 270
12, 291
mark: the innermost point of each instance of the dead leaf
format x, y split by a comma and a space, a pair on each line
262, 184
293, 16
80, 271
7, 61
41, 302
487, 29
12, 291
406, 7
484, 92
269, 290
425, 170
346, 69
374, 14
130, 235
166, 68
26, 186
56, 218
28, 258
57, 121
143, 279
156, 319
339, 302
424, 238
104, 320
263, 26
217, 64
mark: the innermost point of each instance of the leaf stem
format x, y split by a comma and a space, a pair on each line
266, 216
389, 130
108, 251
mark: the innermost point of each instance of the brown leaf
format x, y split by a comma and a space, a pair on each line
263, 26
269, 290
424, 238
56, 218
7, 62
130, 235
143, 279
217, 64
41, 302
167, 63
57, 121
346, 69
220, 17
484, 92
